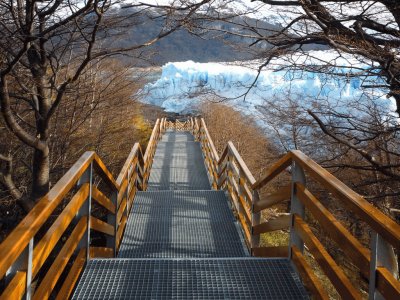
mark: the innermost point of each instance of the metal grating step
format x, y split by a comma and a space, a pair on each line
175, 136
178, 166
248, 278
194, 178
181, 224
184, 149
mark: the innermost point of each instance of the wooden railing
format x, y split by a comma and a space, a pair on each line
43, 251
180, 125
64, 246
378, 264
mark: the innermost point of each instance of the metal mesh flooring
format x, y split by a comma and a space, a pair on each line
190, 279
178, 164
177, 136
181, 224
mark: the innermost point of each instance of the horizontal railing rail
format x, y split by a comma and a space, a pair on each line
66, 243
229, 172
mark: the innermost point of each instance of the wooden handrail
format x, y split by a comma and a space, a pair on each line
214, 151
381, 223
79, 181
233, 175
275, 170
154, 137
359, 255
18, 239
385, 226
343, 285
135, 152
103, 172
250, 178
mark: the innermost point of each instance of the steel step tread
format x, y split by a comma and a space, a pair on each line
236, 278
181, 224
178, 166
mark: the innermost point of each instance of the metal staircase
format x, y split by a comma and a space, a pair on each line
182, 221
182, 242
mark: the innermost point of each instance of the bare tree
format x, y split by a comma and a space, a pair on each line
363, 38
46, 47
367, 31
257, 150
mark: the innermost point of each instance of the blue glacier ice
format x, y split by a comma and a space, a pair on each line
183, 85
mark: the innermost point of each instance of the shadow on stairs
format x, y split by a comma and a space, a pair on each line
182, 242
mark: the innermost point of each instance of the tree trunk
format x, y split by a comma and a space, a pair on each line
8, 182
40, 174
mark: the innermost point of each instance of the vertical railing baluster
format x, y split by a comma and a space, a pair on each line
199, 131
241, 193
214, 163
227, 174
28, 294
230, 170
89, 211
87, 177
241, 206
23, 264
382, 255
217, 170
195, 129
296, 207
112, 219
128, 189
255, 220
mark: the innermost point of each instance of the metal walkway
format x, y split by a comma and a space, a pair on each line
181, 224
182, 241
178, 164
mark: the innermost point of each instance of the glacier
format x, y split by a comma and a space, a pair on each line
182, 86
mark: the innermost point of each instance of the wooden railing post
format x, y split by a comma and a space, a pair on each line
240, 182
255, 220
129, 189
226, 173
87, 177
112, 219
296, 207
29, 250
382, 255
229, 170
197, 135
194, 127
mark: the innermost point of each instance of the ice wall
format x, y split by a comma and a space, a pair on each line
182, 85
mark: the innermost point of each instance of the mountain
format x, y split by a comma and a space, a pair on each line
202, 45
